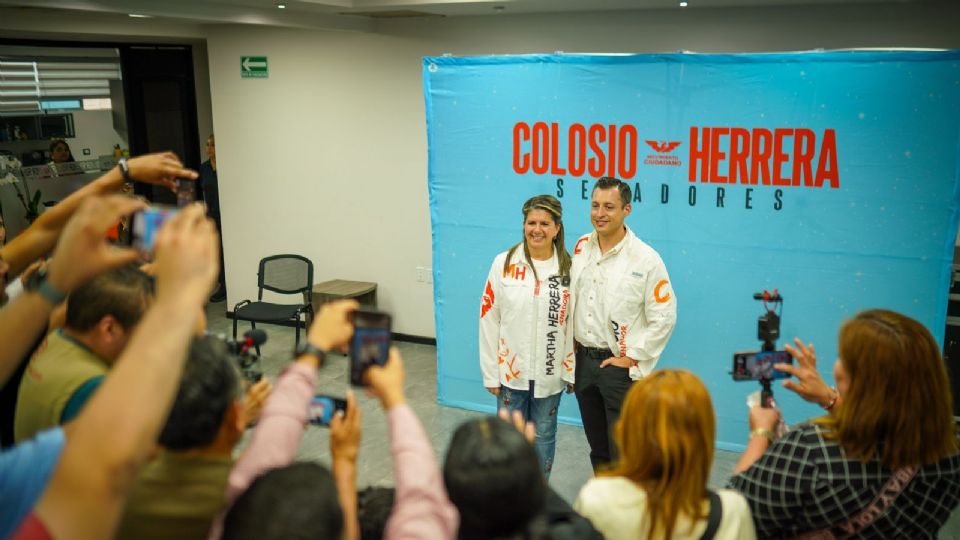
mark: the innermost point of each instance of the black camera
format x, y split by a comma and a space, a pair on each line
247, 360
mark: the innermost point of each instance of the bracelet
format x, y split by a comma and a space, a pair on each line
762, 432
836, 395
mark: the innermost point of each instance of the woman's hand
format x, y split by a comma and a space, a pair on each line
764, 418
254, 399
527, 429
495, 390
809, 385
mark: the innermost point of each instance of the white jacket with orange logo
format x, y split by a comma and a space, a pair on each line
641, 306
525, 328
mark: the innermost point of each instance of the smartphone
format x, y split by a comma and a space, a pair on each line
370, 344
755, 366
322, 408
186, 192
145, 224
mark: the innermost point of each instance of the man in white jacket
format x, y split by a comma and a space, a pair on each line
625, 312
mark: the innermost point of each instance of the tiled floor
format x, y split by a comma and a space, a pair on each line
571, 466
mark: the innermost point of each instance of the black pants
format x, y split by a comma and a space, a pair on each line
222, 278
600, 394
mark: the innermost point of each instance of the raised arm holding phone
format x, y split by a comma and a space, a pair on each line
162, 168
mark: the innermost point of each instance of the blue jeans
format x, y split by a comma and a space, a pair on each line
543, 413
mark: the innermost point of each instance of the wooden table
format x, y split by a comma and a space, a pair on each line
364, 292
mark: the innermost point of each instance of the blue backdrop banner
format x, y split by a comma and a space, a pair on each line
832, 177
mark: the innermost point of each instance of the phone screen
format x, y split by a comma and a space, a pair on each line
322, 408
145, 224
370, 344
755, 366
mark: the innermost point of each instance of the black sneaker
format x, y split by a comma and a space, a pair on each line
219, 296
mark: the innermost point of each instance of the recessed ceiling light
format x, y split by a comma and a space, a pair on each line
139, 16
281, 5
683, 4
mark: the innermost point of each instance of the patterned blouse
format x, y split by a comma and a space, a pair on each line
804, 482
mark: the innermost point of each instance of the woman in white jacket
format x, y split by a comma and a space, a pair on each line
526, 334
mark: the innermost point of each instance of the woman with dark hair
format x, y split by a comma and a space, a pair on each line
657, 487
60, 152
882, 463
526, 337
492, 475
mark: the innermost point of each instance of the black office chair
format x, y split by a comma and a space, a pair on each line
285, 274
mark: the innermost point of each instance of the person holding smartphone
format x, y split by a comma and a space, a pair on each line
526, 337
883, 460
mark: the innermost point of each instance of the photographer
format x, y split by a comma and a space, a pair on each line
180, 492
883, 463
297, 497
83, 481
74, 360
422, 509
274, 446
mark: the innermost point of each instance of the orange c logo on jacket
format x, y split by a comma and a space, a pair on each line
656, 292
487, 300
577, 249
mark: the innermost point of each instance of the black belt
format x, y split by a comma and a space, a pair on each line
594, 352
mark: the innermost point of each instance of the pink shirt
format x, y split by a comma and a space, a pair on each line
421, 508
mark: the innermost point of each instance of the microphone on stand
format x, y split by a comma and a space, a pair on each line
252, 339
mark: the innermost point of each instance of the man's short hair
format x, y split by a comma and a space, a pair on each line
374, 505
608, 182
297, 501
492, 475
121, 293
210, 384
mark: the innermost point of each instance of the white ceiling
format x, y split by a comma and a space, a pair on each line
358, 14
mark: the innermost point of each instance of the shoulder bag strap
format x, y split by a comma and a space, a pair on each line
716, 514
885, 498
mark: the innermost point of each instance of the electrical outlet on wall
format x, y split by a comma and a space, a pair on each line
424, 274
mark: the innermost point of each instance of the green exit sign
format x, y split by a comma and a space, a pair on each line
253, 67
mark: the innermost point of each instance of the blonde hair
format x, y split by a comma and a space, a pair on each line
551, 205
665, 437
898, 407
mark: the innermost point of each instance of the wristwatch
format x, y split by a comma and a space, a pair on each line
125, 169
38, 283
307, 348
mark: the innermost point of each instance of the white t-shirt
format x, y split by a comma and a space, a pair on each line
545, 268
14, 289
617, 507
